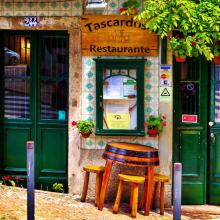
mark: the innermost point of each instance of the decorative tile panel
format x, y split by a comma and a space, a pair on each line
151, 95
54, 7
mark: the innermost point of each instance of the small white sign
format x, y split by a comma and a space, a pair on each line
165, 94
165, 75
31, 21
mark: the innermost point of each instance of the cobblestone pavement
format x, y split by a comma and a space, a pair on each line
57, 206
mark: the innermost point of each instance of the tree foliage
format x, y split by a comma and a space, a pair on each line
198, 23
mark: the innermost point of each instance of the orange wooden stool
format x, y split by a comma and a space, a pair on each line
134, 180
158, 178
99, 170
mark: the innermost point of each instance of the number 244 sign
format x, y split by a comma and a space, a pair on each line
31, 21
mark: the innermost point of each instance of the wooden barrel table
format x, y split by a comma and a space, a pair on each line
129, 154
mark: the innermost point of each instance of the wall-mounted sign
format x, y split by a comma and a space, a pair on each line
165, 75
116, 35
190, 118
165, 94
31, 21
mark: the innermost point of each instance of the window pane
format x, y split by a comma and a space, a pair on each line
53, 99
17, 76
17, 98
54, 56
120, 103
217, 102
189, 70
189, 98
217, 72
54, 74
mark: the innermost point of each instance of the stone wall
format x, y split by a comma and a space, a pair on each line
65, 15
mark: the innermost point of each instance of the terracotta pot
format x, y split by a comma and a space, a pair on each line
216, 59
122, 9
180, 59
85, 134
133, 11
152, 132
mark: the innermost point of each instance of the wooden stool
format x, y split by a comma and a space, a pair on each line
158, 178
134, 180
99, 170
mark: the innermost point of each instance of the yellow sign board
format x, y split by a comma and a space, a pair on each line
116, 35
118, 121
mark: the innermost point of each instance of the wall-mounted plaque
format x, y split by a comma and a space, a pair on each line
116, 35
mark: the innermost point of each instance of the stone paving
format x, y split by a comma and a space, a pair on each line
58, 206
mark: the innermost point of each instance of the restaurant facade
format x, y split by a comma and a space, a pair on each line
61, 62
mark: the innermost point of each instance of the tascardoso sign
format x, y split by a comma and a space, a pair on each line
116, 35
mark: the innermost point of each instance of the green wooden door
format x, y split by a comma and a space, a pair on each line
34, 79
190, 128
214, 164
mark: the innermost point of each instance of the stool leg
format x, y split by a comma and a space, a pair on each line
118, 197
134, 200
162, 198
143, 198
155, 194
98, 184
131, 197
85, 187
149, 189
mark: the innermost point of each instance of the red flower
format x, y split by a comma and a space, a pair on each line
177, 36
164, 117
193, 43
164, 124
145, 123
74, 123
6, 178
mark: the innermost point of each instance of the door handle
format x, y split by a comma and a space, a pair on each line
212, 137
211, 123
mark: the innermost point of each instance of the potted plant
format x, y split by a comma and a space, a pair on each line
155, 124
216, 53
193, 20
85, 127
129, 7
179, 48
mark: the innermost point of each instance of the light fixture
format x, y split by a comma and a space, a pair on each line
95, 4
28, 44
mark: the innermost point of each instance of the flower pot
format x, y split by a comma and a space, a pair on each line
180, 59
122, 9
133, 10
152, 132
85, 134
216, 59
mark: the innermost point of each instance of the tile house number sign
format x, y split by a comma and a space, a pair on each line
31, 21
116, 35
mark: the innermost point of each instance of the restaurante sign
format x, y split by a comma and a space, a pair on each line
116, 35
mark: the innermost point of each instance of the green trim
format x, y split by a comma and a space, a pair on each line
120, 64
164, 50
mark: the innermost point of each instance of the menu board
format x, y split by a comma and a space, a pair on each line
119, 96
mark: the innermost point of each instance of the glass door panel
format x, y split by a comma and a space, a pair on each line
17, 77
217, 93
53, 76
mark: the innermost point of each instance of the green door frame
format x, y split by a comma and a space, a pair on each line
36, 127
214, 142
190, 139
